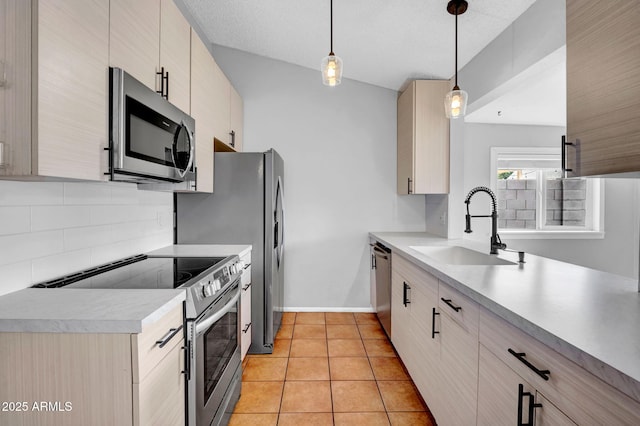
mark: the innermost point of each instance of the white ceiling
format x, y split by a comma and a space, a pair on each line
386, 43
381, 42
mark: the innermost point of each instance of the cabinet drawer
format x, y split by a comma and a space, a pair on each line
246, 275
459, 308
146, 353
413, 274
576, 392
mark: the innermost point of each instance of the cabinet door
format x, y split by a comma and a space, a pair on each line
72, 89
406, 135
134, 42
549, 415
237, 119
175, 53
245, 314
203, 93
498, 392
221, 105
400, 316
159, 398
603, 87
423, 139
458, 358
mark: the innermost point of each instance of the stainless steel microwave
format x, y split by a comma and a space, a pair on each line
150, 140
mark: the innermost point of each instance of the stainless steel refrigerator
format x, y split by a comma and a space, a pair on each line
245, 208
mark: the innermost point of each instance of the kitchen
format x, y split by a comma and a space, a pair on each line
54, 228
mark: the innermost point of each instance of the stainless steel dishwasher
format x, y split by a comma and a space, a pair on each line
381, 263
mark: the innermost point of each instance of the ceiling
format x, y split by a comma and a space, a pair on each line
385, 43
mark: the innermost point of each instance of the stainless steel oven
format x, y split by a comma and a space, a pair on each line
214, 346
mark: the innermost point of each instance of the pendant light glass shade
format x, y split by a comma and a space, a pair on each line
331, 70
331, 65
455, 103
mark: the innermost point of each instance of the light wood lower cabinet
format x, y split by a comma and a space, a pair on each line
245, 306
94, 379
469, 364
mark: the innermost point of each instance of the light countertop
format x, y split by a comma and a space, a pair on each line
589, 316
44, 310
201, 250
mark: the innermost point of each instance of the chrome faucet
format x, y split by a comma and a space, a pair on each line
496, 243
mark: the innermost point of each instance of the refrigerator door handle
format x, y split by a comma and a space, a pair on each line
279, 225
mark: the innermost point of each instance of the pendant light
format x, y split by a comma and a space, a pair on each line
331, 66
455, 103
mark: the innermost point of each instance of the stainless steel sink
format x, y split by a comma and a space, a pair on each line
456, 255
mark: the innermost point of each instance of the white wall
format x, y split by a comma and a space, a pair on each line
49, 229
339, 148
617, 252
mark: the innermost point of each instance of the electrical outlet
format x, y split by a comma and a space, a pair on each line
443, 219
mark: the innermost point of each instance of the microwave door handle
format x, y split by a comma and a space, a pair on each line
191, 151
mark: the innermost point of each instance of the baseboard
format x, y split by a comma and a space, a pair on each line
325, 309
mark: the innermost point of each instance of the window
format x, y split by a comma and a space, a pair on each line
534, 198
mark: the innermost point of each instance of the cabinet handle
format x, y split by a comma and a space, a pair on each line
532, 406
233, 138
246, 328
521, 357
164, 83
563, 155
409, 180
246, 287
433, 323
246, 266
405, 293
373, 261
451, 305
167, 337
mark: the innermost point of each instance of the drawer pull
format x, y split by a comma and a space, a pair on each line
405, 294
167, 337
246, 266
532, 406
451, 305
246, 287
246, 328
433, 323
521, 357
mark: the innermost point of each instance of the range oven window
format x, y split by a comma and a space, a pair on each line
220, 342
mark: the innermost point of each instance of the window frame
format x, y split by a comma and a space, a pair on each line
594, 228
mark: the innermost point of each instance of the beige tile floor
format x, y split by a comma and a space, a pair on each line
329, 369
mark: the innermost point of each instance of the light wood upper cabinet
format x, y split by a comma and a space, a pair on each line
203, 93
423, 139
221, 104
150, 36
603, 87
56, 97
135, 38
236, 122
175, 54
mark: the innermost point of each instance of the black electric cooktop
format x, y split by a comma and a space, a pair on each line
138, 272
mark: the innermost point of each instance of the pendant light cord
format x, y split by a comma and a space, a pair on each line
331, 9
456, 85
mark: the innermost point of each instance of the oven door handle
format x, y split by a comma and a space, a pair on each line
205, 324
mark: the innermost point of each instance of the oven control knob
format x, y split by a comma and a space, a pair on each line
216, 285
208, 290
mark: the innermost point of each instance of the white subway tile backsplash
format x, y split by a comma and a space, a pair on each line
87, 193
59, 217
15, 276
89, 236
50, 229
49, 267
14, 220
14, 193
19, 247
